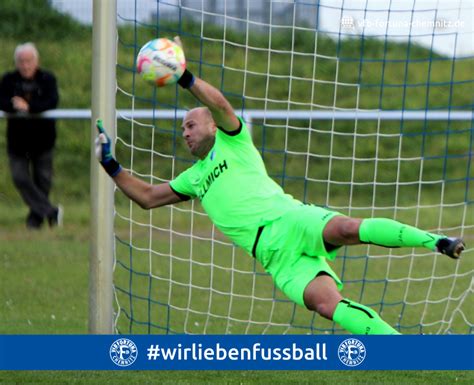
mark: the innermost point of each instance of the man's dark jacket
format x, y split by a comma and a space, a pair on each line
29, 135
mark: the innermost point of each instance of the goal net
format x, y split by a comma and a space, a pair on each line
364, 107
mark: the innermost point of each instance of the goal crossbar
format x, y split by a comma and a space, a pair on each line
351, 114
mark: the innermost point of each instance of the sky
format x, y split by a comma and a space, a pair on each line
446, 26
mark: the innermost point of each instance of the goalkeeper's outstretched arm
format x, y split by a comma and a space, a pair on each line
222, 111
148, 196
145, 194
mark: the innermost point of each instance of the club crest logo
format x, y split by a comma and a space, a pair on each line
123, 352
351, 352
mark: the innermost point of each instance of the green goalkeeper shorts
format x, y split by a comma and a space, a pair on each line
292, 251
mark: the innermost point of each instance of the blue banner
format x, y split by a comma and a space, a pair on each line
235, 352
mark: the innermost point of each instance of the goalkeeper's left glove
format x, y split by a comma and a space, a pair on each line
103, 151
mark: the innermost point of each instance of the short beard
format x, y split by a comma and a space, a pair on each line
202, 151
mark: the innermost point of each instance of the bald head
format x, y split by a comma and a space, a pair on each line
199, 113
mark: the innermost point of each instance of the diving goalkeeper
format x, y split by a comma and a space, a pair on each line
293, 241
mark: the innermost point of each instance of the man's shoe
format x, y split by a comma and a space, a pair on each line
452, 247
56, 217
34, 221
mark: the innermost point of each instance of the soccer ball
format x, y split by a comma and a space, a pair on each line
161, 62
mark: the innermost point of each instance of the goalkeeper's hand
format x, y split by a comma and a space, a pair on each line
187, 79
103, 151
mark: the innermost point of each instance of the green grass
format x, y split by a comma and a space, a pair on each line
238, 378
44, 290
46, 285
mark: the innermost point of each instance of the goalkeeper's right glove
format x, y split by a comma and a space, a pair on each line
103, 151
187, 79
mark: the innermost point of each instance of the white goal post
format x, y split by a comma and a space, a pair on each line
101, 258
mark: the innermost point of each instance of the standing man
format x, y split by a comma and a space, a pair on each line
30, 141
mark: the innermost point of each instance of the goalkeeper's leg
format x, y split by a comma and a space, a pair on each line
388, 233
322, 296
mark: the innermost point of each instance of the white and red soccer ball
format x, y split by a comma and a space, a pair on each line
161, 62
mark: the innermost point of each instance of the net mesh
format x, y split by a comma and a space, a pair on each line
280, 64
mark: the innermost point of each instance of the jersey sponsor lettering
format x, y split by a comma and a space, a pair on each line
211, 177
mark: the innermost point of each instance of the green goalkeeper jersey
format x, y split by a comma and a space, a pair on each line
234, 187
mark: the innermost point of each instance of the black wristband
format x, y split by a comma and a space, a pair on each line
187, 79
111, 167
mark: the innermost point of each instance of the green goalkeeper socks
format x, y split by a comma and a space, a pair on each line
390, 233
359, 319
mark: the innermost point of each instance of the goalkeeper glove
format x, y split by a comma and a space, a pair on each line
104, 153
187, 78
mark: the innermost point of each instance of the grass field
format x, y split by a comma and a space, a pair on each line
44, 291
238, 378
